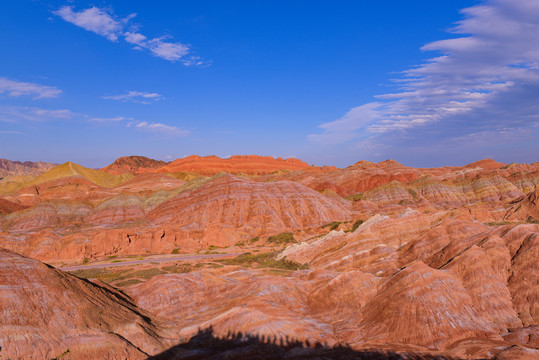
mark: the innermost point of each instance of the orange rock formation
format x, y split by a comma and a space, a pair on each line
133, 165
245, 164
442, 262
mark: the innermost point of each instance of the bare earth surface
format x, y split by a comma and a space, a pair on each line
154, 259
255, 257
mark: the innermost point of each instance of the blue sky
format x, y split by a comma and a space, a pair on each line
426, 83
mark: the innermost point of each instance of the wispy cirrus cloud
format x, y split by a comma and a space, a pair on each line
136, 96
159, 128
18, 88
343, 129
15, 114
110, 119
105, 23
150, 127
484, 81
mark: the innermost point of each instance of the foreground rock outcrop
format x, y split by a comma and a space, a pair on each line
47, 313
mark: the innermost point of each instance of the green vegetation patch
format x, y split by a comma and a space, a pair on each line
357, 224
178, 269
499, 223
91, 273
127, 282
265, 260
332, 225
62, 355
282, 239
109, 276
354, 197
175, 251
146, 273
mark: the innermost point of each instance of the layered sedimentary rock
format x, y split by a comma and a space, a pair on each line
158, 213
47, 313
229, 203
14, 168
7, 207
245, 164
438, 261
133, 165
525, 208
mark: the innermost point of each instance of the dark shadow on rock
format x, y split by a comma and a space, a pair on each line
237, 346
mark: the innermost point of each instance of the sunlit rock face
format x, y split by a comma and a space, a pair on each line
244, 164
431, 262
133, 165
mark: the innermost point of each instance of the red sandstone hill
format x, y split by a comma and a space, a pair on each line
228, 208
245, 164
526, 208
433, 269
7, 207
47, 313
133, 165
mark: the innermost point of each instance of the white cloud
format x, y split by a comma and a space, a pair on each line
23, 113
484, 80
93, 19
105, 23
166, 50
161, 129
110, 119
18, 88
153, 127
134, 38
136, 96
343, 129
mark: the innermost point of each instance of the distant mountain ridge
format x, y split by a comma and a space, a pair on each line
11, 168
210, 165
133, 165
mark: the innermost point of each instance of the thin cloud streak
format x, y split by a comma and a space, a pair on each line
105, 23
153, 127
18, 88
458, 93
162, 129
16, 114
110, 119
136, 96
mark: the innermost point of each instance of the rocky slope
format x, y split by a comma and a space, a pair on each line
14, 168
47, 313
463, 296
133, 165
525, 208
244, 164
228, 204
427, 262
157, 213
